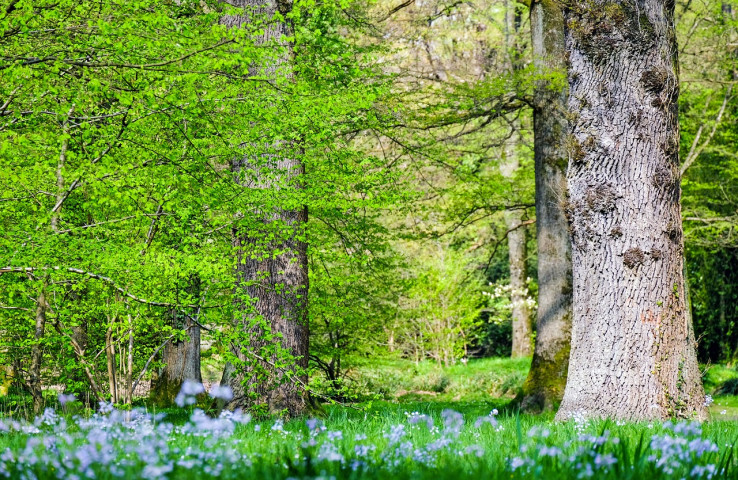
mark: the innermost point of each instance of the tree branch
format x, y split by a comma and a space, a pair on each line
102, 278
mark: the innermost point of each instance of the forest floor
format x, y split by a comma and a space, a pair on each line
427, 423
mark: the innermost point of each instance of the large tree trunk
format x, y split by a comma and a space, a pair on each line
277, 284
544, 387
181, 357
182, 362
633, 348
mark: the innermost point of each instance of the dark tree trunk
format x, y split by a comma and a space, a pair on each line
276, 284
633, 351
544, 387
181, 357
182, 362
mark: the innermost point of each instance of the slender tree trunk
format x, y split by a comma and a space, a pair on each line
522, 326
129, 371
633, 348
37, 354
277, 284
544, 387
110, 357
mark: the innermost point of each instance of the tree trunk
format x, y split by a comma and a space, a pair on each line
276, 284
129, 371
633, 348
37, 354
110, 357
544, 387
182, 362
522, 326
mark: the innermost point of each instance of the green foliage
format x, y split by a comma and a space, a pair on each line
440, 312
119, 126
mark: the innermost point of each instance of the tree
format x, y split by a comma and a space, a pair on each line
633, 348
544, 387
272, 268
517, 245
181, 355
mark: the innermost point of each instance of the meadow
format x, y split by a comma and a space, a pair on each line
434, 424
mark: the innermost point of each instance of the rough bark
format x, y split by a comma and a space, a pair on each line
633, 348
277, 284
181, 357
181, 361
544, 387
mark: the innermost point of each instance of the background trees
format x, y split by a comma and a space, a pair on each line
143, 160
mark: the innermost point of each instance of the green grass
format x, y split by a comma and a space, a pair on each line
261, 450
494, 380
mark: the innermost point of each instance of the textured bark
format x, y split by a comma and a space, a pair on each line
181, 359
633, 348
544, 387
277, 284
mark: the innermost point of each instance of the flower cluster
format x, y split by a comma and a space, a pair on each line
138, 444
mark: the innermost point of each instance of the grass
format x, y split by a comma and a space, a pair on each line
495, 380
387, 438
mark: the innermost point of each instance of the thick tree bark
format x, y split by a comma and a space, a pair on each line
181, 357
182, 362
277, 284
544, 387
633, 348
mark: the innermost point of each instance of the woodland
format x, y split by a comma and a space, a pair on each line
354, 239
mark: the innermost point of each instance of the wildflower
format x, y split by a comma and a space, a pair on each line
278, 426
188, 392
395, 434
64, 398
453, 422
488, 419
416, 418
708, 400
221, 392
337, 435
363, 450
476, 450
